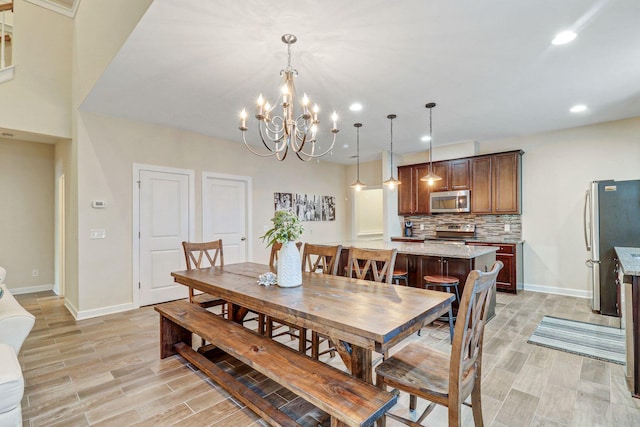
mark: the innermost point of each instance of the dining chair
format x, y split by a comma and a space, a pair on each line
372, 264
271, 325
446, 379
321, 259
195, 255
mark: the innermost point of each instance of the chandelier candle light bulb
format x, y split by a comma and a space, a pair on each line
289, 129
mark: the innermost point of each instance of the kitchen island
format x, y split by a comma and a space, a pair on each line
419, 259
628, 261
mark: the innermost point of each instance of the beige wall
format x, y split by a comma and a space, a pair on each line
40, 92
26, 216
557, 169
107, 149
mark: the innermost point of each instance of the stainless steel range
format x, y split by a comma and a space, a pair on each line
453, 233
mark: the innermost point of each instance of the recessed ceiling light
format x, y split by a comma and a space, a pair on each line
356, 106
578, 108
425, 138
563, 37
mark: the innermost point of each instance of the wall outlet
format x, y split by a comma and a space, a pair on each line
421, 226
507, 227
35, 272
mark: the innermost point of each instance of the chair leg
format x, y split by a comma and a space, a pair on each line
454, 415
476, 404
451, 324
413, 400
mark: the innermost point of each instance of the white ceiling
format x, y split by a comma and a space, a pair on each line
489, 65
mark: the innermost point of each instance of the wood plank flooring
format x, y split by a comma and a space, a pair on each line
106, 371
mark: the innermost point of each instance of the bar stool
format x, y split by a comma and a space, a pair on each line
447, 283
400, 275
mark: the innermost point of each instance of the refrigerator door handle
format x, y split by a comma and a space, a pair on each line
587, 223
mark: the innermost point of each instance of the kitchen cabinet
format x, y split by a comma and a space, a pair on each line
511, 277
494, 180
455, 175
442, 170
481, 201
413, 194
496, 183
459, 174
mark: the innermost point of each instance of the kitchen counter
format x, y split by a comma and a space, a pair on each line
468, 239
419, 248
629, 259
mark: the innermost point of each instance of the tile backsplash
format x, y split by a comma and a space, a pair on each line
487, 226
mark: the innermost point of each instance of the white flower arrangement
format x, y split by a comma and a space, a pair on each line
286, 228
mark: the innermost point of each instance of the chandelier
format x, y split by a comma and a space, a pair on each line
287, 129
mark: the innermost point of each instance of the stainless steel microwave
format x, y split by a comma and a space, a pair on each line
450, 201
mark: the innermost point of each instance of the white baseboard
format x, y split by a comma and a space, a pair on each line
30, 289
558, 291
88, 314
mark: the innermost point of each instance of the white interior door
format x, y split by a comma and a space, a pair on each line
225, 205
164, 224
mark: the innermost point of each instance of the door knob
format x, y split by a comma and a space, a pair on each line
243, 239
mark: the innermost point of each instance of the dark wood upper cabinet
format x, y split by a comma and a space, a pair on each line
413, 194
442, 170
459, 174
506, 183
494, 181
422, 190
481, 184
406, 192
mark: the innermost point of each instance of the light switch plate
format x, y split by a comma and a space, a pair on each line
97, 234
507, 227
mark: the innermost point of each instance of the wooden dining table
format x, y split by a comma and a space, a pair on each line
359, 316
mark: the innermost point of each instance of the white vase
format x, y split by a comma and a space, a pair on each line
289, 266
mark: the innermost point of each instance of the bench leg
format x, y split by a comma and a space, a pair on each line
170, 334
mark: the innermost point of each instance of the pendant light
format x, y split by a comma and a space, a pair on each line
391, 182
358, 185
430, 177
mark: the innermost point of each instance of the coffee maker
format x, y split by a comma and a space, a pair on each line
408, 229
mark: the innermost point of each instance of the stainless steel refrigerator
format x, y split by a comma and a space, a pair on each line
611, 218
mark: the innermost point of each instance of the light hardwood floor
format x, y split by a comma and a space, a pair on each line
106, 371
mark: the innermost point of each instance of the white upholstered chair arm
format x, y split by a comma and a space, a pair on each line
15, 321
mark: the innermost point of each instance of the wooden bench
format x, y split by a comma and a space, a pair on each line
348, 400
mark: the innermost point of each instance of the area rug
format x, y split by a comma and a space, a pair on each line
586, 339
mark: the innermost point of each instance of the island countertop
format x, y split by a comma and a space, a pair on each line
629, 260
422, 248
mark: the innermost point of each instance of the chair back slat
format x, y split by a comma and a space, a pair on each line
321, 258
370, 264
466, 352
196, 253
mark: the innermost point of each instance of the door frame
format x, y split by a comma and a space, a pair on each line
248, 207
135, 232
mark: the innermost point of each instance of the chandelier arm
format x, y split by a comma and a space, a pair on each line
313, 156
271, 154
275, 141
